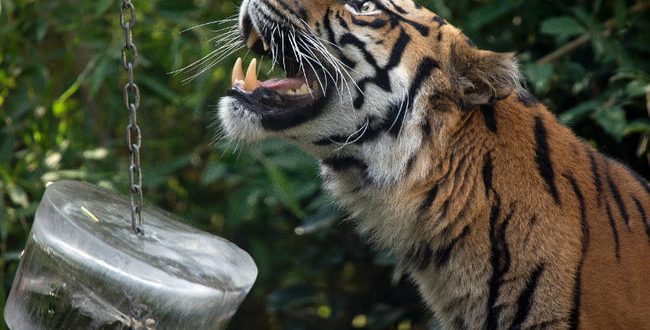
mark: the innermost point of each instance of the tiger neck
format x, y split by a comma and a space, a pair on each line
386, 192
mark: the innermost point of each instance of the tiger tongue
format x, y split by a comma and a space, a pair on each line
284, 84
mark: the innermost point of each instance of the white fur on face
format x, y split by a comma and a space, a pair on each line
386, 156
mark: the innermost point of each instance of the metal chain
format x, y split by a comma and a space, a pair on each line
132, 103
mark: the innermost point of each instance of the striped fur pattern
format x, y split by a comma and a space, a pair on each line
501, 215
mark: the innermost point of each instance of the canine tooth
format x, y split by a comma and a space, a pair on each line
251, 82
252, 39
291, 92
266, 46
237, 72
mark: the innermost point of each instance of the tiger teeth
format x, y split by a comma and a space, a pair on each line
246, 82
303, 90
252, 39
238, 73
251, 82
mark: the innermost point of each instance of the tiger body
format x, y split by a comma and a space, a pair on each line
502, 216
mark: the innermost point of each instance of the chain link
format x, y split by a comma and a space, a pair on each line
132, 103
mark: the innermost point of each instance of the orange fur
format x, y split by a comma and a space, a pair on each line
500, 214
614, 294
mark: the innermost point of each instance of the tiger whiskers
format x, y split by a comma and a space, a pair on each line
360, 132
228, 42
230, 19
305, 58
341, 70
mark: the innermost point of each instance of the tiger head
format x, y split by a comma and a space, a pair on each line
363, 77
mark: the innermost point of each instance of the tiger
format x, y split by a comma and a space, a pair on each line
500, 215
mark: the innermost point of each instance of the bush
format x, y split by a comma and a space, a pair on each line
63, 118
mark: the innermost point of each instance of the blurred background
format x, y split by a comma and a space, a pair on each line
62, 117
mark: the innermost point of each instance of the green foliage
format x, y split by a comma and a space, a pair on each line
63, 118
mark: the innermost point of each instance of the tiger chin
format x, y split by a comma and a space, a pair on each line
502, 216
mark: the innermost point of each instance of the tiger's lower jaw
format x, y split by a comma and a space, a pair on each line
277, 112
251, 111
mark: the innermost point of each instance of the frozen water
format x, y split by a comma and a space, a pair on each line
82, 268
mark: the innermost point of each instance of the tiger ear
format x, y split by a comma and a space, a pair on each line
482, 76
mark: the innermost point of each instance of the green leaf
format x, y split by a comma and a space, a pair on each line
576, 114
213, 172
612, 120
620, 12
540, 76
283, 186
639, 126
562, 27
637, 88
160, 89
18, 195
320, 220
291, 297
488, 14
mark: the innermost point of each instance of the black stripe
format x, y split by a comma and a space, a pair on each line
362, 134
488, 169
595, 175
490, 116
526, 98
431, 197
426, 129
327, 23
420, 256
342, 22
410, 164
303, 13
499, 259
441, 21
382, 77
397, 112
344, 163
374, 24
619, 201
574, 317
424, 70
525, 300
398, 8
612, 224
459, 323
543, 159
396, 19
531, 226
643, 215
331, 36
442, 255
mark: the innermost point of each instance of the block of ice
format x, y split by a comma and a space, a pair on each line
82, 268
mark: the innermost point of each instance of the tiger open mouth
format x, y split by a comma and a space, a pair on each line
280, 102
